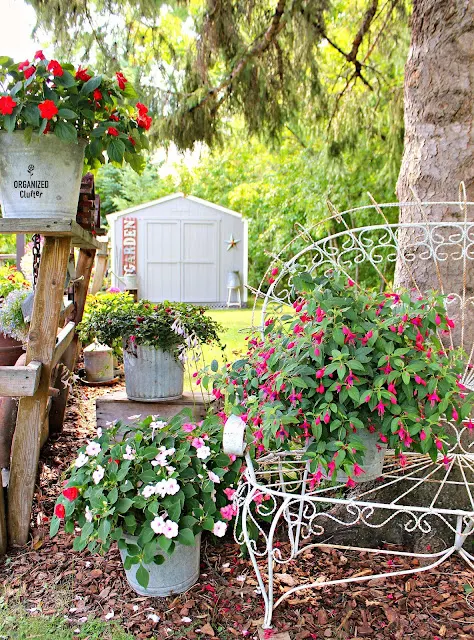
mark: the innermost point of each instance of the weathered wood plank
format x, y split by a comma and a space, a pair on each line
116, 406
100, 269
3, 523
85, 262
31, 411
16, 382
64, 339
67, 311
50, 227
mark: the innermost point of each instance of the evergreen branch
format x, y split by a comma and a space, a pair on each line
258, 47
364, 27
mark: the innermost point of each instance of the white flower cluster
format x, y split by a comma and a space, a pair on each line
168, 528
162, 458
162, 488
129, 453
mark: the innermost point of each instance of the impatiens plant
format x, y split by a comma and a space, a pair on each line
171, 326
10, 280
161, 483
44, 96
348, 360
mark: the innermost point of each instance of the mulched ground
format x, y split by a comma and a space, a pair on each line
50, 578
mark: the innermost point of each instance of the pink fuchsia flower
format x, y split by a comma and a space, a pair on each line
402, 459
291, 345
450, 323
350, 282
446, 460
454, 413
274, 271
367, 337
357, 470
419, 380
383, 438
438, 319
439, 444
350, 483
320, 373
188, 427
327, 418
433, 398
422, 435
391, 387
217, 393
229, 493
219, 529
380, 408
349, 335
315, 479
331, 467
470, 425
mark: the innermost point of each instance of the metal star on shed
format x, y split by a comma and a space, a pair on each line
232, 242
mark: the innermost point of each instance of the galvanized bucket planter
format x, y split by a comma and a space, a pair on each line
98, 363
372, 459
40, 179
152, 375
177, 574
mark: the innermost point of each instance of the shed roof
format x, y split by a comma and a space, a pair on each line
173, 196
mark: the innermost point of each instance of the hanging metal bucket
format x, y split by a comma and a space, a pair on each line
177, 574
152, 375
372, 458
40, 179
98, 363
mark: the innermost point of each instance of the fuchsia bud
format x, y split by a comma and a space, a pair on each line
350, 283
450, 323
422, 435
358, 470
327, 418
320, 374
438, 319
350, 483
439, 444
455, 414
275, 271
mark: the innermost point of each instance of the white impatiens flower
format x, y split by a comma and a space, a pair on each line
158, 525
161, 488
162, 457
213, 477
88, 514
93, 449
81, 460
129, 453
170, 529
170, 469
203, 452
172, 486
219, 529
99, 432
158, 424
148, 491
98, 474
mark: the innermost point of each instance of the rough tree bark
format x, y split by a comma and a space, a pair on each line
439, 132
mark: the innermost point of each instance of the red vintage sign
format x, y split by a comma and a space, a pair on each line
129, 245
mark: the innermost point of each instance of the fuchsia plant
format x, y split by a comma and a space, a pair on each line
345, 361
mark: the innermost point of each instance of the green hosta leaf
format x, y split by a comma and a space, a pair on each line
31, 114
79, 544
104, 529
87, 530
113, 495
115, 149
174, 512
135, 160
65, 131
164, 542
186, 537
149, 551
208, 524
123, 505
66, 80
9, 122
91, 85
67, 114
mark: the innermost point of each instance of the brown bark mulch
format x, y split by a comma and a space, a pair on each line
48, 577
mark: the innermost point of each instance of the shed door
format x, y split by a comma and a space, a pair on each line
181, 261
199, 261
163, 261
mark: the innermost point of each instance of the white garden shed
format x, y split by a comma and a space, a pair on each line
181, 248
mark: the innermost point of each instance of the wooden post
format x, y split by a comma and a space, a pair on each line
32, 410
20, 249
100, 269
3, 523
81, 286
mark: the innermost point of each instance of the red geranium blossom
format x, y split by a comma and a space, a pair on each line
81, 74
112, 131
55, 68
39, 55
29, 72
114, 117
59, 511
144, 122
23, 65
7, 104
142, 109
71, 493
47, 109
97, 95
121, 79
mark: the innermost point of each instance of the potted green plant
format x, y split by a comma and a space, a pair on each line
154, 491
12, 325
155, 339
348, 373
54, 115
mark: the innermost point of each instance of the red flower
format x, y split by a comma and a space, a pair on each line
55, 68
112, 131
47, 109
114, 117
142, 109
59, 511
121, 79
71, 493
144, 122
97, 95
29, 72
81, 74
39, 55
7, 104
23, 65
132, 141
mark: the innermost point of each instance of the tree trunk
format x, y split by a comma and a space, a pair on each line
439, 137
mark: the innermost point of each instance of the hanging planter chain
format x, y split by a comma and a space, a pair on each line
36, 257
